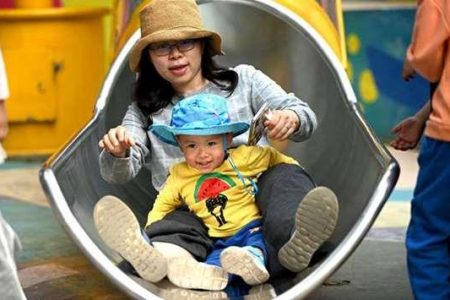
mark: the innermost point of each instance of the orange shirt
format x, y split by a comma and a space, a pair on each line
429, 54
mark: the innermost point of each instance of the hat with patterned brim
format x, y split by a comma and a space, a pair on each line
202, 114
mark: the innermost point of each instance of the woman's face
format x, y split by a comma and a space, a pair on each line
179, 62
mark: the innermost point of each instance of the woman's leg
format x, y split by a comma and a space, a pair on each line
184, 229
281, 191
184, 240
120, 230
179, 234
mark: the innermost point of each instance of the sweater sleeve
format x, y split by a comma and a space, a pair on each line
120, 170
431, 31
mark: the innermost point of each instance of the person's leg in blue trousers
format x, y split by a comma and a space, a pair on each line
247, 236
428, 235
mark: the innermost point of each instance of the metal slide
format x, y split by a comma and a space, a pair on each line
344, 154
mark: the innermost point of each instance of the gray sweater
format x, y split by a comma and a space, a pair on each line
253, 89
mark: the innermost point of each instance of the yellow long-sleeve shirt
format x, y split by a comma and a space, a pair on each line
219, 198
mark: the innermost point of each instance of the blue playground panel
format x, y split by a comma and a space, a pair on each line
377, 39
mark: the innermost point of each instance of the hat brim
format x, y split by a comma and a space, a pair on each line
168, 134
175, 34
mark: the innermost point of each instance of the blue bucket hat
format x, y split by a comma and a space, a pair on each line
202, 114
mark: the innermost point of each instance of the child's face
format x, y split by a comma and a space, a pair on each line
204, 153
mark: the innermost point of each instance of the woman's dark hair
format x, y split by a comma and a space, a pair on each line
153, 93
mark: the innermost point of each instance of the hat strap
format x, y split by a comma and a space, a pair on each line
254, 187
225, 144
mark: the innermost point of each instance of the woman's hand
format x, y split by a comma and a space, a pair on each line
282, 124
117, 141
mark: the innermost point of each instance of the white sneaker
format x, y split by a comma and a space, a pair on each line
169, 291
246, 263
315, 221
188, 273
261, 292
120, 230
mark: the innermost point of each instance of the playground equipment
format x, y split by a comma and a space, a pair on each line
343, 154
55, 61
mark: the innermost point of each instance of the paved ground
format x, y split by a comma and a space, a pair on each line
52, 267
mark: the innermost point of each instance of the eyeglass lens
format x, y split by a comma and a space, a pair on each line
165, 48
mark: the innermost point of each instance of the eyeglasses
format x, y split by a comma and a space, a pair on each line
163, 49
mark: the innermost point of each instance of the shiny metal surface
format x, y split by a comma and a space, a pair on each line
344, 153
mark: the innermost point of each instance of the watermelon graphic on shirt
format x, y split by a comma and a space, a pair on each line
210, 185
208, 189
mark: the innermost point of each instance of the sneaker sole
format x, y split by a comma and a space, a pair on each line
238, 261
191, 274
120, 230
315, 221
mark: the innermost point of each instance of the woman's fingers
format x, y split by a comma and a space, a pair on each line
116, 141
112, 136
282, 124
108, 145
128, 140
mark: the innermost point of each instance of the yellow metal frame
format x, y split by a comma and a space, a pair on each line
309, 10
55, 61
315, 15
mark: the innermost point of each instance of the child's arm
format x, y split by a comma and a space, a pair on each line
167, 201
408, 72
426, 53
259, 159
409, 130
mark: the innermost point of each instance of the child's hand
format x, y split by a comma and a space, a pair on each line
117, 141
408, 133
281, 124
408, 72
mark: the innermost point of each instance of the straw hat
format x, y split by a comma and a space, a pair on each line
201, 114
171, 20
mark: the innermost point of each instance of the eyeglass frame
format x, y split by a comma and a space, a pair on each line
168, 47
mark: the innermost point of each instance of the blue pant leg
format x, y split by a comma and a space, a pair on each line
249, 235
213, 258
428, 235
255, 238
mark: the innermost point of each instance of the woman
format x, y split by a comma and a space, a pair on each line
173, 60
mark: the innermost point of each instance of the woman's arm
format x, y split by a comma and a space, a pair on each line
289, 111
124, 164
